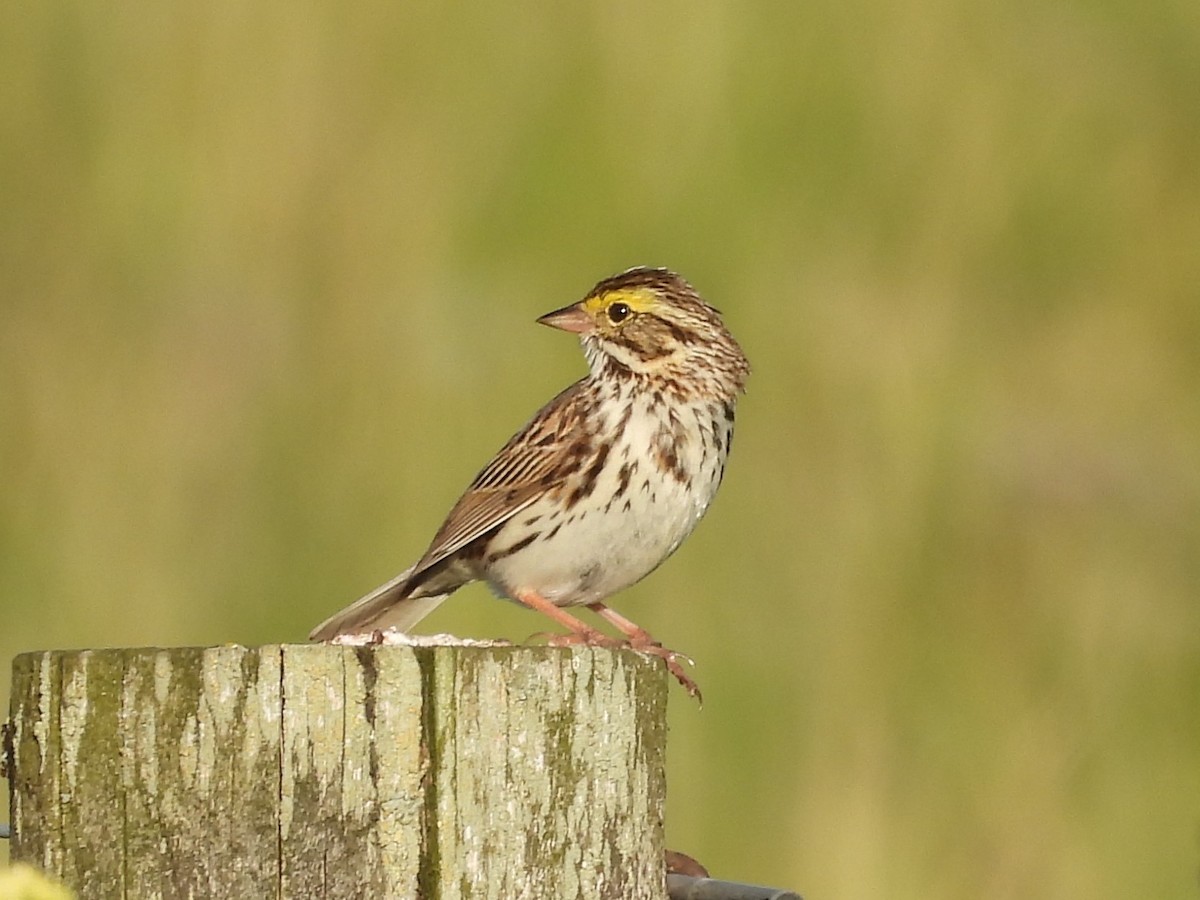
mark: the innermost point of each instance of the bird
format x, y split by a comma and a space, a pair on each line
602, 484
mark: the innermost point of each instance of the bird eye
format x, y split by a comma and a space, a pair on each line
618, 313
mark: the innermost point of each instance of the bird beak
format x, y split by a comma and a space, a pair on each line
573, 318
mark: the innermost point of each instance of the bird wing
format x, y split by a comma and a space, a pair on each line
536, 459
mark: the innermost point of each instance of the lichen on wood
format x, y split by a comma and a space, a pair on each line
322, 771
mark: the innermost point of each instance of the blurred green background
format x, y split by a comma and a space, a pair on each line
269, 275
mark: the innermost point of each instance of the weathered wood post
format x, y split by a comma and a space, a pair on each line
326, 772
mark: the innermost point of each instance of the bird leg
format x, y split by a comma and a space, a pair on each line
637, 638
580, 632
641, 641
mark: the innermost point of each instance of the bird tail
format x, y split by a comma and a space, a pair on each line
385, 607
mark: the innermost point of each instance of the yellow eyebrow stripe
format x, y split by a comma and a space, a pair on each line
637, 299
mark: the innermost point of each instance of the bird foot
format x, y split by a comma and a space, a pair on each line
589, 638
650, 647
640, 643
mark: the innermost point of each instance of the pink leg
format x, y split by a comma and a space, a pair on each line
580, 631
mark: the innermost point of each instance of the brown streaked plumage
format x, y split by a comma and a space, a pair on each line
603, 483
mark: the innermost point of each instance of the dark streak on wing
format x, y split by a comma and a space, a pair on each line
528, 466
515, 548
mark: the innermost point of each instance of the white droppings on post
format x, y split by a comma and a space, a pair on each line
41, 728
189, 758
162, 676
206, 745
73, 716
147, 750
220, 685
357, 791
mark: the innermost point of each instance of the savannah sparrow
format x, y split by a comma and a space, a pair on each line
603, 484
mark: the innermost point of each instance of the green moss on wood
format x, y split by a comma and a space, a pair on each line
318, 771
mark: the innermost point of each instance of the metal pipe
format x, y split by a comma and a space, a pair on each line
684, 887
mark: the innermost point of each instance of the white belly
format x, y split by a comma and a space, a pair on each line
588, 553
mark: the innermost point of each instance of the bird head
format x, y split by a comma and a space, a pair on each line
652, 323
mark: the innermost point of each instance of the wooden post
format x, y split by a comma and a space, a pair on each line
316, 771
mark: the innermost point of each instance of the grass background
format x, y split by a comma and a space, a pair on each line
269, 275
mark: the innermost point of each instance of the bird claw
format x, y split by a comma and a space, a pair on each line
690, 686
664, 653
645, 646
671, 659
